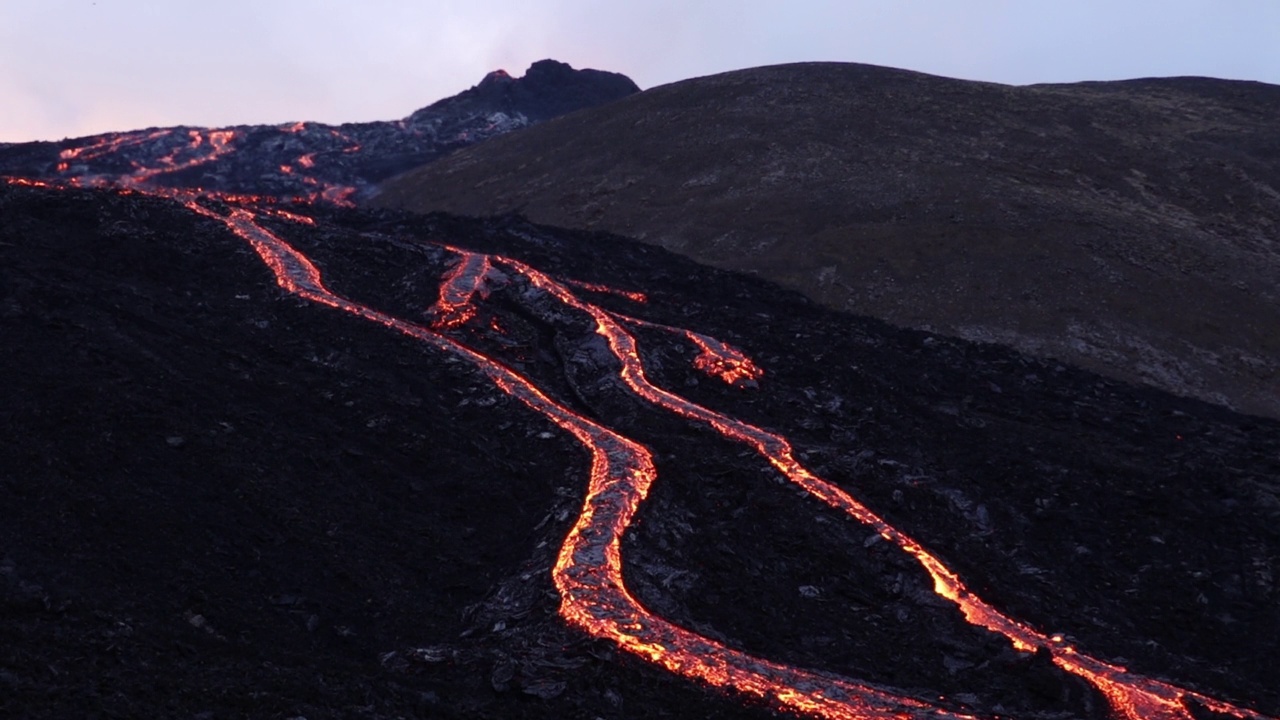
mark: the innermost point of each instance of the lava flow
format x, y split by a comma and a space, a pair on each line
106, 146
1131, 695
631, 295
455, 306
200, 149
715, 358
588, 571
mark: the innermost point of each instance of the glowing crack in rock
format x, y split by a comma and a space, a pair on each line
715, 358
588, 572
107, 146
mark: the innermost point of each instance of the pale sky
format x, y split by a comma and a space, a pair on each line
77, 67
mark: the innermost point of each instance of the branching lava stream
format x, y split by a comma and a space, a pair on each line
588, 572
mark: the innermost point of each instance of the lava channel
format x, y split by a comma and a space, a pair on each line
588, 570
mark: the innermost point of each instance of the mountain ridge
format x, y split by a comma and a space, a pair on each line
1124, 226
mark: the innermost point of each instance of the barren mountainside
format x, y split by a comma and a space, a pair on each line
1128, 227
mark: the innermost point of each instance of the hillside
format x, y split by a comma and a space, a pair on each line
277, 460
1126, 227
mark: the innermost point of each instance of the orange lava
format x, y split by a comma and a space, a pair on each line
715, 358
219, 144
724, 361
26, 182
339, 195
1131, 696
110, 144
588, 572
200, 149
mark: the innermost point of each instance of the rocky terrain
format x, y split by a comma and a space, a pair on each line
1127, 227
339, 162
224, 501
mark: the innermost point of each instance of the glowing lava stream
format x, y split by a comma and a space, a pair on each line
715, 358
106, 147
588, 572
1134, 696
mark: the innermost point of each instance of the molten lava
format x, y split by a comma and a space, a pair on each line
588, 571
460, 286
108, 145
200, 149
637, 297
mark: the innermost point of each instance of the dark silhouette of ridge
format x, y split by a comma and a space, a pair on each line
548, 89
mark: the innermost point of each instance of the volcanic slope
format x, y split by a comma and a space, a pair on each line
224, 496
310, 159
1127, 227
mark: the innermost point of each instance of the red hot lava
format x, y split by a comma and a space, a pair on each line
107, 146
219, 144
199, 150
715, 358
637, 297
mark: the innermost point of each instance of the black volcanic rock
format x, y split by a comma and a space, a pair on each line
311, 159
548, 89
355, 526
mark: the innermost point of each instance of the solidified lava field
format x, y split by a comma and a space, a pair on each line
223, 500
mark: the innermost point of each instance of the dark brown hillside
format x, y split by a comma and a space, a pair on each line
1128, 227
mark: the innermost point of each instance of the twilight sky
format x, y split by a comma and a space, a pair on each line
77, 67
